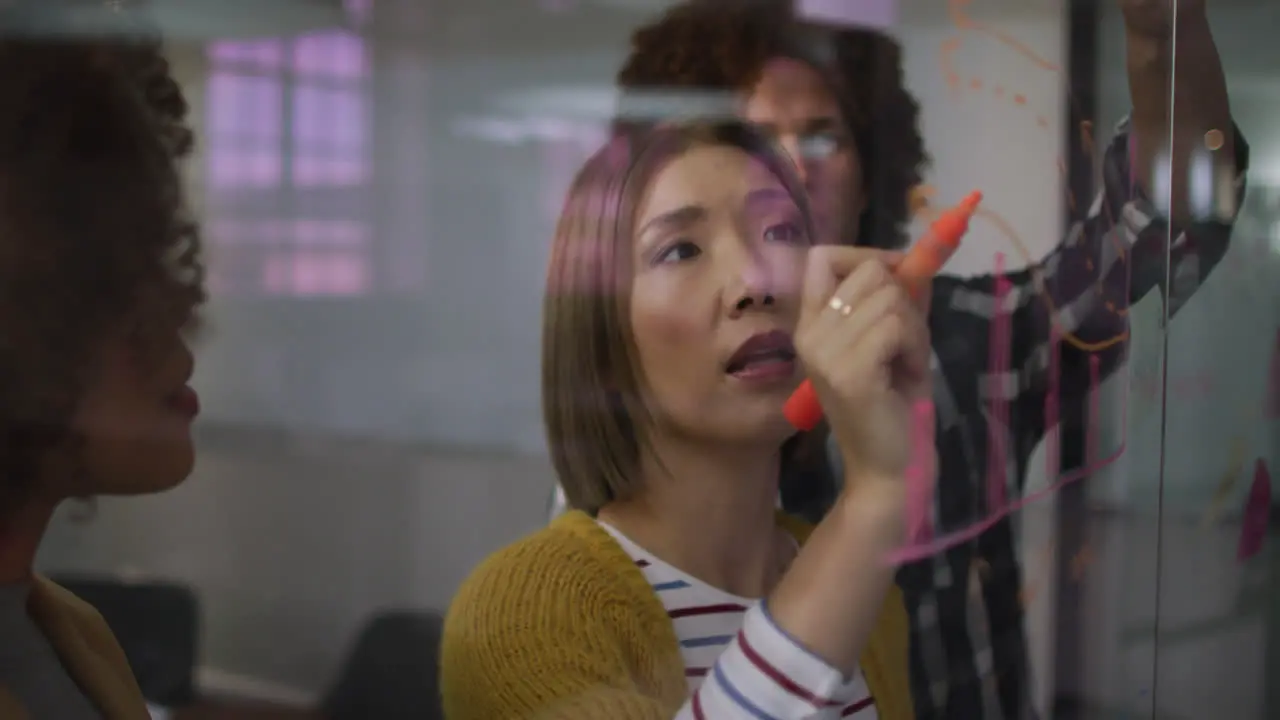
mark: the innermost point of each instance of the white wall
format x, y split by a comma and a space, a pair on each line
406, 441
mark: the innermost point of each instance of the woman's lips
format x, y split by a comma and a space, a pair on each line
767, 371
185, 402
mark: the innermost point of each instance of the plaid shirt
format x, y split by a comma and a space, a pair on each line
968, 648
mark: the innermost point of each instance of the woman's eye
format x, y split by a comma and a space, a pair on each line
787, 232
678, 252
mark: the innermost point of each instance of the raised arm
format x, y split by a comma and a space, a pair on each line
1168, 52
1078, 295
1109, 260
1126, 246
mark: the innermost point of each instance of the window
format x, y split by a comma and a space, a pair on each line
288, 164
245, 134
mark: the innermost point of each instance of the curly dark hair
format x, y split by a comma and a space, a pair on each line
725, 45
95, 230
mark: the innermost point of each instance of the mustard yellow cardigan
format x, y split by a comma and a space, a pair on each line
563, 625
88, 651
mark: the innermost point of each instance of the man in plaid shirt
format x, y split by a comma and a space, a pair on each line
834, 99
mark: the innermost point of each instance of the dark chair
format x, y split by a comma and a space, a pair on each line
392, 672
157, 625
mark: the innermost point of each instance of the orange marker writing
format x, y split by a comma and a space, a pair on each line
917, 269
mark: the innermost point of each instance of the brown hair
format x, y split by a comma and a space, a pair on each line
591, 381
724, 45
94, 226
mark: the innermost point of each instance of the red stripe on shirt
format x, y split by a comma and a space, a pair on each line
697, 706
704, 610
862, 704
778, 677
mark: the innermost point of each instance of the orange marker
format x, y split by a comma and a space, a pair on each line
923, 261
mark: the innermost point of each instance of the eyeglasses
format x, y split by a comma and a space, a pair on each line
819, 145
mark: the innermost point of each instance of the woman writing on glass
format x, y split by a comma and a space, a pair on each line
685, 302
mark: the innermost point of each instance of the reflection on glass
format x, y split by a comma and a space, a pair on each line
378, 192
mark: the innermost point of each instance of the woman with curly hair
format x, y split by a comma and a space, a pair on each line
99, 279
834, 99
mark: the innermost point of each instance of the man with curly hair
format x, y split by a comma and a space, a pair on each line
834, 98
99, 278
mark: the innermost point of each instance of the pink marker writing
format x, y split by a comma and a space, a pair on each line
921, 474
1257, 514
1053, 452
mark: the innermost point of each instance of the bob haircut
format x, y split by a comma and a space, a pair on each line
592, 385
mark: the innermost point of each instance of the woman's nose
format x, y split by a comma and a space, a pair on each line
754, 302
751, 283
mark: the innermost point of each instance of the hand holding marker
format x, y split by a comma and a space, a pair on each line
916, 270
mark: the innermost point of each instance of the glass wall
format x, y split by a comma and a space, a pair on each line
1219, 582
1179, 602
379, 183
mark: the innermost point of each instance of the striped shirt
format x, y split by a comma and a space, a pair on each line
738, 663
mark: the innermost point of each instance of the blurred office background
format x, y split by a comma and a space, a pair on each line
379, 181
